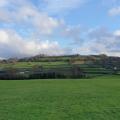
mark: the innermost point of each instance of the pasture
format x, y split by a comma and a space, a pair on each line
66, 99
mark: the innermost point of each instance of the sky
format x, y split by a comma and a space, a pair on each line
59, 27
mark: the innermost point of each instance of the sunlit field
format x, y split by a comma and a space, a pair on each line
75, 99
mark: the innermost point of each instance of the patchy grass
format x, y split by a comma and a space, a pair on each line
88, 99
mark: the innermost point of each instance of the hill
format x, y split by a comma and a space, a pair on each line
63, 66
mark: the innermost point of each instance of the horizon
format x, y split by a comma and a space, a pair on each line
27, 57
59, 27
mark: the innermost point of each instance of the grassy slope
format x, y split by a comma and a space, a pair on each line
58, 64
91, 99
31, 64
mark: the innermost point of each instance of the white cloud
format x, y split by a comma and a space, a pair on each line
41, 21
13, 45
114, 11
117, 33
3, 3
100, 41
57, 6
73, 33
24, 12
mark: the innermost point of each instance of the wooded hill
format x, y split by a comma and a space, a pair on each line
69, 66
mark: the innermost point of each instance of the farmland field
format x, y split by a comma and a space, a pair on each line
31, 64
75, 99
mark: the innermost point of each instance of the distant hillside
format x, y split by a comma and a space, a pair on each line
73, 59
75, 65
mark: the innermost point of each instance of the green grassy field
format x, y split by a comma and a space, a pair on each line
31, 64
84, 99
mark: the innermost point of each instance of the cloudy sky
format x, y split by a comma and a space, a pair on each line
58, 27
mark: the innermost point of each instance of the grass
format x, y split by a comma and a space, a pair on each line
54, 65
31, 64
88, 99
